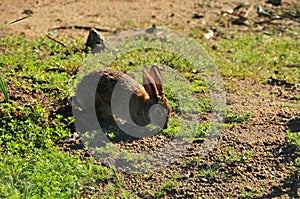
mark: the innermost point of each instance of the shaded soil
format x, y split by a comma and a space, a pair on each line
267, 173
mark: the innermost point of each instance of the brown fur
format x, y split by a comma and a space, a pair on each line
100, 85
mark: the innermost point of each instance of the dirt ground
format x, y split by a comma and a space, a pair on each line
48, 15
268, 173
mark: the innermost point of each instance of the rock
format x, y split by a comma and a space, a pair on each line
275, 2
95, 41
27, 12
197, 15
151, 30
209, 34
185, 176
204, 179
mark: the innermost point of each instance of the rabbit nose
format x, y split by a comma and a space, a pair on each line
158, 116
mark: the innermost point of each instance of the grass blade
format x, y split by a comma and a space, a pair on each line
3, 88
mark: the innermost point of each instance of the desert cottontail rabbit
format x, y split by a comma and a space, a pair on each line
118, 94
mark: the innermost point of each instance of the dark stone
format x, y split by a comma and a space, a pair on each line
95, 41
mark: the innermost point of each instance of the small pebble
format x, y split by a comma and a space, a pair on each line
27, 12
203, 179
198, 15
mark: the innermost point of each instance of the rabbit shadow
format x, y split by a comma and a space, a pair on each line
115, 130
110, 129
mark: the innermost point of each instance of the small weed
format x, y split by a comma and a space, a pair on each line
3, 88
170, 185
205, 105
118, 179
230, 87
293, 138
182, 128
136, 161
230, 117
249, 194
199, 86
208, 172
114, 192
232, 157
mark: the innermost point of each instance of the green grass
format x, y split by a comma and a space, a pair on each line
166, 187
31, 166
230, 156
209, 172
250, 194
231, 117
41, 65
293, 139
25, 128
47, 174
258, 56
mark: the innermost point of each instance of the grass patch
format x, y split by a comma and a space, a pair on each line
208, 172
293, 139
41, 65
258, 56
47, 174
232, 157
30, 164
231, 117
169, 186
25, 128
250, 194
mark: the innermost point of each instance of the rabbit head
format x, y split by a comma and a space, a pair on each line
154, 107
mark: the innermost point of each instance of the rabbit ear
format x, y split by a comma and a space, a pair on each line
156, 76
149, 85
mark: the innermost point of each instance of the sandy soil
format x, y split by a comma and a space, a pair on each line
47, 15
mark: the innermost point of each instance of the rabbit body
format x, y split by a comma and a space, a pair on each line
116, 93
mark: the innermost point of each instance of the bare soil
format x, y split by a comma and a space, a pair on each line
268, 173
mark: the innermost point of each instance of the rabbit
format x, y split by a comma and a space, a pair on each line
116, 93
